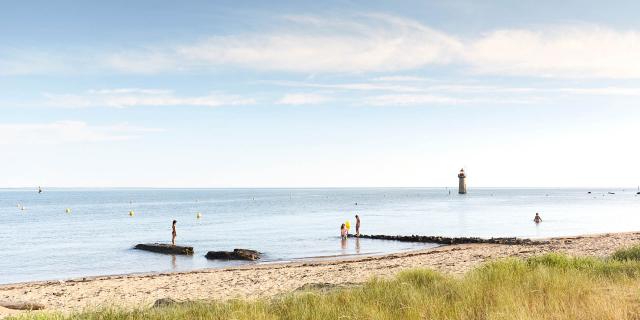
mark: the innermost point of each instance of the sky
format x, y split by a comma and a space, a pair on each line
370, 93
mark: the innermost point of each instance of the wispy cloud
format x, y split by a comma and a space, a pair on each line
62, 132
401, 78
134, 97
363, 44
410, 99
349, 86
25, 62
557, 51
309, 44
303, 98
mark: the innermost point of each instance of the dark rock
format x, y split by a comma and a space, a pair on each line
236, 254
164, 302
164, 248
455, 240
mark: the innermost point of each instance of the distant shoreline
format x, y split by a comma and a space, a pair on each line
271, 279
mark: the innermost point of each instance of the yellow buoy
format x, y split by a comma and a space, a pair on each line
67, 210
347, 224
198, 215
131, 213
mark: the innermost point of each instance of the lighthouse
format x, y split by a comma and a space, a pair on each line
462, 182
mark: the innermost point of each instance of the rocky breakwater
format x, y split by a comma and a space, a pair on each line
164, 248
455, 240
236, 254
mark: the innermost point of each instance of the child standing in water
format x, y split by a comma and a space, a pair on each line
343, 231
173, 233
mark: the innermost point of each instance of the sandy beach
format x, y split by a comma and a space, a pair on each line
267, 280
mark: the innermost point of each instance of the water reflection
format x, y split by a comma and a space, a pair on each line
357, 245
343, 245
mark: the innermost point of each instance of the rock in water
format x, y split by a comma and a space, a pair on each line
236, 254
455, 240
164, 248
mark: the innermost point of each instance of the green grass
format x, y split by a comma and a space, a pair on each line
552, 286
632, 253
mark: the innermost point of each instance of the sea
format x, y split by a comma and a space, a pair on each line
72, 233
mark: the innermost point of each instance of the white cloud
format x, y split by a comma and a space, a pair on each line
391, 84
410, 99
350, 86
361, 44
134, 97
309, 44
402, 79
303, 98
18, 63
381, 43
606, 91
559, 51
62, 132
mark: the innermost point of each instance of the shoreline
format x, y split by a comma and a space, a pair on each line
285, 262
265, 280
247, 264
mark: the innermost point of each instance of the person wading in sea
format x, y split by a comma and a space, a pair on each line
357, 226
173, 233
537, 219
343, 231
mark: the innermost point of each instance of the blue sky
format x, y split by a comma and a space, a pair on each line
319, 94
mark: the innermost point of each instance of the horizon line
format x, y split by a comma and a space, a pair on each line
321, 187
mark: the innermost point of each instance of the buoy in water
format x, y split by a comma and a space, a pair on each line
198, 215
67, 210
131, 213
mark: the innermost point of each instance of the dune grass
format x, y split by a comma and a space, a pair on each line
632, 253
552, 286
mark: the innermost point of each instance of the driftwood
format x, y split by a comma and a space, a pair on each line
164, 248
455, 240
236, 254
21, 305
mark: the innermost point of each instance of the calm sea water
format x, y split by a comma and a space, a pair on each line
44, 242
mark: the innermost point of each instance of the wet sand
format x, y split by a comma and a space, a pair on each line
268, 280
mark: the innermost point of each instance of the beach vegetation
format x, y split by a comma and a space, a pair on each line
551, 286
631, 253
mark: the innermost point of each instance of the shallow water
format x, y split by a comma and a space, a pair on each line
44, 242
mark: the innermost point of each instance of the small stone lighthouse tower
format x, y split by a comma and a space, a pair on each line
462, 182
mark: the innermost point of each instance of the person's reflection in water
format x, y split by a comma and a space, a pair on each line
174, 265
537, 230
343, 245
357, 245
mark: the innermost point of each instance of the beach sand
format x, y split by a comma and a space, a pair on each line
268, 280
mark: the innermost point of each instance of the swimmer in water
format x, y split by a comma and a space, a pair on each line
537, 219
